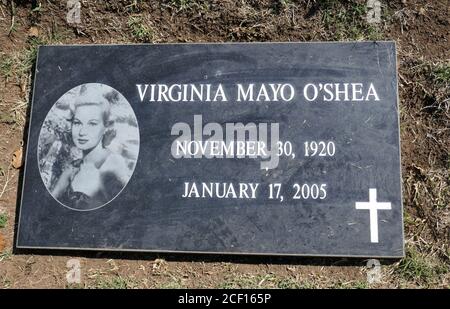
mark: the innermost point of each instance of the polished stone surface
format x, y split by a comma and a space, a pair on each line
150, 214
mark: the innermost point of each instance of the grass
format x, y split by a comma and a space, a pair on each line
139, 30
174, 283
75, 286
289, 283
5, 283
264, 281
417, 268
130, 6
184, 5
3, 220
244, 281
16, 68
286, 2
122, 282
5, 255
441, 73
408, 219
348, 21
117, 282
6, 66
351, 285
18, 65
270, 281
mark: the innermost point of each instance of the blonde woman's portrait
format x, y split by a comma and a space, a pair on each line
88, 146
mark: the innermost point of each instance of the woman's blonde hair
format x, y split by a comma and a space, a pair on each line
89, 97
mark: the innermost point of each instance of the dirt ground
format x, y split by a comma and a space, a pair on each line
421, 30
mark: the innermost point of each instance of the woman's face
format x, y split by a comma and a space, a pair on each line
87, 126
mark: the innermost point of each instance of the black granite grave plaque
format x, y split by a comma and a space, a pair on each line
275, 148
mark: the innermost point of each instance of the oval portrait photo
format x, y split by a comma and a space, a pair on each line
88, 146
